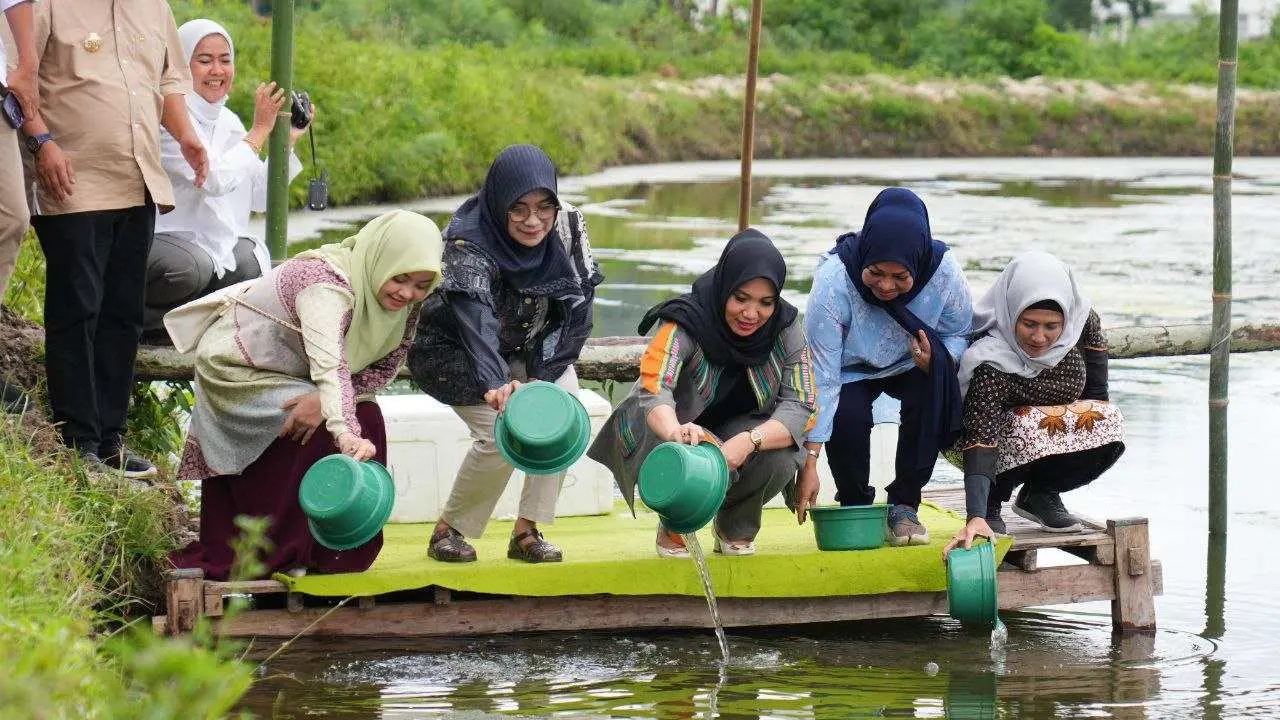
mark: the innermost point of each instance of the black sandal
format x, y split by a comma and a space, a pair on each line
448, 545
538, 551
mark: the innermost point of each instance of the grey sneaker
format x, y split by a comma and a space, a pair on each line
1045, 509
121, 459
904, 527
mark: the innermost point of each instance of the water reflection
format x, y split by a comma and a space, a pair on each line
1138, 231
840, 671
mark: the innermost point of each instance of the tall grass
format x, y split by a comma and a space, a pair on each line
76, 550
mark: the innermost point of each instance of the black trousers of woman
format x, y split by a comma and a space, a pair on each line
849, 450
1056, 473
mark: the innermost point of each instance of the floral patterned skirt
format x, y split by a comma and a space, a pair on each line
1032, 432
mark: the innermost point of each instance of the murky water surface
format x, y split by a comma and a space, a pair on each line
1138, 232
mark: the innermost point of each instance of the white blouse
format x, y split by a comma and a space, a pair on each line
213, 217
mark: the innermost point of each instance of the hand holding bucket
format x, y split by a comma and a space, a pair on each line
346, 501
543, 430
972, 592
684, 484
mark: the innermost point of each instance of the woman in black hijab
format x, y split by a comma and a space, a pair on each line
514, 305
728, 361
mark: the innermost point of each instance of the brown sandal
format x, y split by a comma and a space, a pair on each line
448, 545
538, 551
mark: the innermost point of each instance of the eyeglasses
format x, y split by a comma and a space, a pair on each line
521, 212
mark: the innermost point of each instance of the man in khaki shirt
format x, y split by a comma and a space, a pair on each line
111, 73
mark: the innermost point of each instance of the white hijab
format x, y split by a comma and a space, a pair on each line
191, 33
1030, 278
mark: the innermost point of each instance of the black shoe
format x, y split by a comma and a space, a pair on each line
119, 458
994, 521
1047, 510
12, 398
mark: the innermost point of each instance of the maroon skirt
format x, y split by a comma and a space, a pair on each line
269, 488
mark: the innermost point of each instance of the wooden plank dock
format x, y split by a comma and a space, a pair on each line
1118, 567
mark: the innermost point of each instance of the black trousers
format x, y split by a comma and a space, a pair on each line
1056, 473
849, 450
94, 289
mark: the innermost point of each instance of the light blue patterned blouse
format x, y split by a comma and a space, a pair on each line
852, 340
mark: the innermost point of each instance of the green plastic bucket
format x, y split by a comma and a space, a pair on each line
684, 484
851, 527
972, 594
544, 429
346, 501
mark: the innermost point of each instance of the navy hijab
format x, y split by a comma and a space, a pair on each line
748, 255
896, 229
482, 220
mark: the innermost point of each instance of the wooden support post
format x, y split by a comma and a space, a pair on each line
1024, 560
1134, 606
441, 595
365, 602
293, 602
184, 599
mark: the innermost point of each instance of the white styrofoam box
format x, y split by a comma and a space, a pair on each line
426, 442
884, 449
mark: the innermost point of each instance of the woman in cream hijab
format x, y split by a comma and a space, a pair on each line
1036, 406
204, 244
284, 365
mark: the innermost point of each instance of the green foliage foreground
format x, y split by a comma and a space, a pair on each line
75, 549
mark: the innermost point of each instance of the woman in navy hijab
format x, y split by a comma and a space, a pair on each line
889, 313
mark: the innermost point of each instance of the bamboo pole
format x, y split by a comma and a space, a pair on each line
278, 148
1220, 342
749, 115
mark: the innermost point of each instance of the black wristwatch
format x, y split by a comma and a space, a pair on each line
35, 142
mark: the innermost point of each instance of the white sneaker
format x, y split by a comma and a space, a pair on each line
735, 547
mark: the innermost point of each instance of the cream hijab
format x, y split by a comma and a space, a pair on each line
1029, 278
190, 34
393, 244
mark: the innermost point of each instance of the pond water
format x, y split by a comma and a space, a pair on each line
1138, 233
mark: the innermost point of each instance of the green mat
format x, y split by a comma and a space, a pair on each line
613, 554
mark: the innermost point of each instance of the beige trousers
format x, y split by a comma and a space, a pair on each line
13, 203
484, 473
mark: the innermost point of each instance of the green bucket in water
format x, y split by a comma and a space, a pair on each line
543, 429
972, 594
850, 527
684, 484
346, 501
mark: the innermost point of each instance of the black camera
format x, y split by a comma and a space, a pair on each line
300, 113
318, 191
12, 109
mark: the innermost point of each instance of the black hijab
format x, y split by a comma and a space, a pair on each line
747, 256
482, 219
897, 229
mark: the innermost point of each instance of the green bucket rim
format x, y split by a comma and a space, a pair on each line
698, 518
547, 467
364, 532
826, 517
978, 596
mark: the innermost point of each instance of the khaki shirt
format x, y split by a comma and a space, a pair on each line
105, 67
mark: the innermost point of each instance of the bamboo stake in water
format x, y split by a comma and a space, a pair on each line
749, 116
278, 155
1220, 338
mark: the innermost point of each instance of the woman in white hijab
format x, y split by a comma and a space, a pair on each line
1036, 409
204, 243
